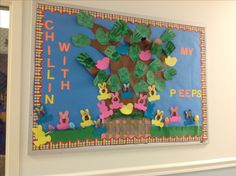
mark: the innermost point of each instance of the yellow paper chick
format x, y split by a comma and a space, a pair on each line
40, 136
153, 93
158, 119
104, 94
87, 121
171, 61
127, 109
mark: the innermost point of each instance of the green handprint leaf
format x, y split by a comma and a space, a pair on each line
101, 36
112, 54
169, 73
114, 83
100, 77
150, 77
170, 47
85, 19
167, 35
140, 69
160, 85
85, 60
156, 65
141, 86
80, 40
156, 50
134, 52
124, 74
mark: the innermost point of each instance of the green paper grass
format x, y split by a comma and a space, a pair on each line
112, 54
114, 83
176, 131
124, 74
121, 28
101, 36
150, 77
85, 19
100, 77
140, 69
170, 47
141, 86
80, 40
85, 60
169, 73
156, 50
167, 35
134, 52
156, 65
73, 135
160, 85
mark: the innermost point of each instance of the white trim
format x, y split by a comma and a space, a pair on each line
14, 90
165, 169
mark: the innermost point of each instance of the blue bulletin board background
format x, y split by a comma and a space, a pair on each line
82, 93
184, 91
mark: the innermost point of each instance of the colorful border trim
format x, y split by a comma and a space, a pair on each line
41, 8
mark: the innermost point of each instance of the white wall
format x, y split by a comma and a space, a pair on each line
219, 18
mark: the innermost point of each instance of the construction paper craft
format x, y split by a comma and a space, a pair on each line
104, 94
174, 115
107, 79
141, 104
103, 64
40, 136
64, 123
115, 101
145, 55
158, 119
86, 119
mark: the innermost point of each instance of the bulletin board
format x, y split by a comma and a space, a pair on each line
107, 79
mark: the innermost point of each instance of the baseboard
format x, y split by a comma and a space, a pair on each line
165, 169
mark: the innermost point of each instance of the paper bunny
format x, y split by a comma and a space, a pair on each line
64, 121
141, 104
174, 115
115, 100
105, 113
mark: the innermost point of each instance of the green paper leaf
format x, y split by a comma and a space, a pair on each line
170, 47
101, 36
141, 86
134, 52
100, 77
167, 35
121, 28
169, 73
114, 36
112, 54
114, 83
156, 65
140, 69
150, 77
156, 50
80, 40
124, 74
160, 85
85, 19
135, 37
85, 60
143, 30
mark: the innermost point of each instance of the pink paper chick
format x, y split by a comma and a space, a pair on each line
105, 113
115, 100
174, 115
141, 104
103, 64
64, 121
145, 55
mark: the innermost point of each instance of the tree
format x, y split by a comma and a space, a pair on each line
129, 53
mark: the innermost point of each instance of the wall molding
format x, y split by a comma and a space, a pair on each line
164, 169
